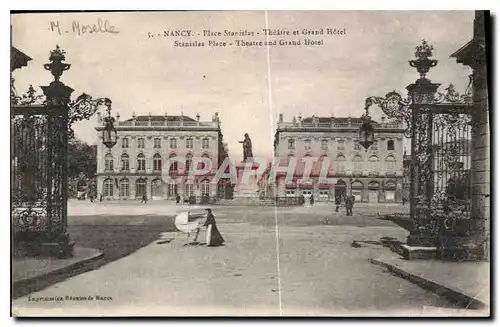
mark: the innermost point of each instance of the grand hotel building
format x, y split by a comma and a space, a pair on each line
133, 167
372, 175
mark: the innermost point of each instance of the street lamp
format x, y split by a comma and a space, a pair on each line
109, 134
366, 131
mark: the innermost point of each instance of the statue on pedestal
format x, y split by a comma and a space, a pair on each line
247, 148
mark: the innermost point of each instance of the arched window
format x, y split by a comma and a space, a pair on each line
390, 145
107, 187
373, 158
124, 187
205, 187
201, 164
124, 143
140, 188
157, 162
390, 163
340, 157
141, 162
108, 162
125, 162
189, 163
173, 164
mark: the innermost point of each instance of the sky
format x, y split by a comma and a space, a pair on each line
248, 86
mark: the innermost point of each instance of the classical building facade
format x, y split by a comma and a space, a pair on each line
136, 164
372, 175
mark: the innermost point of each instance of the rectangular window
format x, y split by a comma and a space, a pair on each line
307, 145
173, 143
108, 164
125, 164
157, 143
188, 190
291, 144
157, 164
125, 143
189, 143
140, 143
357, 146
141, 164
172, 190
324, 145
340, 145
390, 145
290, 193
205, 143
108, 188
374, 146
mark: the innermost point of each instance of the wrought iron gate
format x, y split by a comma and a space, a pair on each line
39, 173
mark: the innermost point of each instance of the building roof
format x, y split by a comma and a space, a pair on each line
466, 53
161, 118
18, 59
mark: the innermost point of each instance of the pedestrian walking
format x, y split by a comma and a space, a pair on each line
338, 201
214, 238
100, 198
91, 196
144, 198
404, 200
348, 205
177, 198
311, 200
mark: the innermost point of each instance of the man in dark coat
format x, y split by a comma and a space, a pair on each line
349, 203
177, 198
214, 238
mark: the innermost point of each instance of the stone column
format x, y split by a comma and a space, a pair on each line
480, 170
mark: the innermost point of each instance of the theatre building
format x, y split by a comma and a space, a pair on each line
372, 175
134, 166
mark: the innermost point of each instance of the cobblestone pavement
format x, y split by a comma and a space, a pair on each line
276, 261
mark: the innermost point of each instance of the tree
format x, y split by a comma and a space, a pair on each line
82, 164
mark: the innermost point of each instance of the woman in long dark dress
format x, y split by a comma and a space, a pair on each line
214, 238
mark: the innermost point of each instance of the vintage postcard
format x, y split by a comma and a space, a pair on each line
250, 163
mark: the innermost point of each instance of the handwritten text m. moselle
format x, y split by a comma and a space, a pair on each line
79, 28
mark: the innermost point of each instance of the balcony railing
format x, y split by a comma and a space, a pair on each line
173, 123
292, 125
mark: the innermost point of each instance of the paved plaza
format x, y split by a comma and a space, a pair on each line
276, 261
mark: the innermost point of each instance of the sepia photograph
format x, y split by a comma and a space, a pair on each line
250, 163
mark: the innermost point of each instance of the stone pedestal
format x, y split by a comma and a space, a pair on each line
247, 189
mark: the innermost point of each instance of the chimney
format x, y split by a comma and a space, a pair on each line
198, 117
281, 118
117, 116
